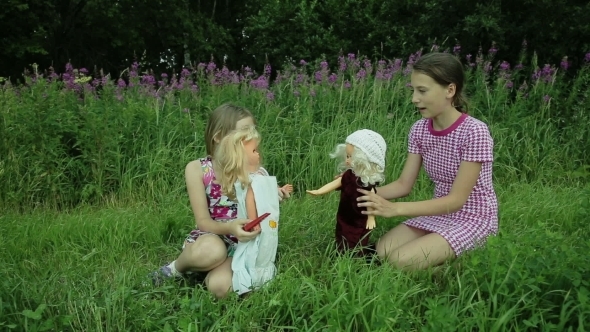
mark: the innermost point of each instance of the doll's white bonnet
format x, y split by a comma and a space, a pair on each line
371, 143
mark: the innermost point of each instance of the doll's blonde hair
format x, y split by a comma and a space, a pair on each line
230, 161
368, 172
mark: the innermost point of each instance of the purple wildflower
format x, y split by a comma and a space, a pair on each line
332, 78
564, 63
312, 92
267, 70
457, 49
509, 85
505, 66
302, 62
347, 84
493, 50
546, 98
341, 64
587, 57
296, 93
361, 74
270, 96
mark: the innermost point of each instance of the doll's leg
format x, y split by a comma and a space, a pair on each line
428, 250
219, 280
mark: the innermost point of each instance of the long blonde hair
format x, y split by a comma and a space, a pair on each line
230, 161
370, 173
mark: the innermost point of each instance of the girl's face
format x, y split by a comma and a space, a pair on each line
245, 122
252, 155
431, 98
349, 151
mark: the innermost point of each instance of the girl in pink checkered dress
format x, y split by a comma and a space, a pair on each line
456, 151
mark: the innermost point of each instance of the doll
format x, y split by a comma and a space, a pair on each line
242, 178
363, 162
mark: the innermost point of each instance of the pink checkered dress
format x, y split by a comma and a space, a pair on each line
442, 152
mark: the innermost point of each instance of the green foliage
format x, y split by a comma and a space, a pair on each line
107, 34
87, 269
83, 140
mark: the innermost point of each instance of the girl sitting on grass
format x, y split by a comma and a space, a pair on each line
457, 153
208, 249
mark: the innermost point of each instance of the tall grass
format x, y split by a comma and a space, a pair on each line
74, 139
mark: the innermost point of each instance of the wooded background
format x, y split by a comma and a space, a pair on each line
110, 34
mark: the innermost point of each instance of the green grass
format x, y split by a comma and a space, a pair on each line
85, 270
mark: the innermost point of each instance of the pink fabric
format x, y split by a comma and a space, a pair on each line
468, 139
221, 208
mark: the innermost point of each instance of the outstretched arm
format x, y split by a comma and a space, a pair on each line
251, 206
285, 191
403, 185
327, 188
462, 187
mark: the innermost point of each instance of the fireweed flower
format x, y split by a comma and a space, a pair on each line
332, 78
211, 67
587, 57
341, 63
457, 49
361, 74
270, 96
564, 63
493, 50
546, 98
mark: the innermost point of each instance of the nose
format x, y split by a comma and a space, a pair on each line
415, 98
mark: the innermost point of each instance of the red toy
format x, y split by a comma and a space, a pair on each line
255, 222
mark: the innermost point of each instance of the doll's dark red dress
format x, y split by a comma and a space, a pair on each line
350, 222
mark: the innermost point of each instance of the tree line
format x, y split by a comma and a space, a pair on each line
167, 35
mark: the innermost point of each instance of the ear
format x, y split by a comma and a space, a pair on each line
451, 90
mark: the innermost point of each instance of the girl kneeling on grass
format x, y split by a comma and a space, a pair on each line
457, 152
208, 249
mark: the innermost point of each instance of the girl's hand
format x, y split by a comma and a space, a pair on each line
380, 206
238, 231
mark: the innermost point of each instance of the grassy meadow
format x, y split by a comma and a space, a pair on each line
93, 199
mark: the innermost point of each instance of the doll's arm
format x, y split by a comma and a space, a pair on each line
288, 188
327, 188
285, 191
251, 211
370, 217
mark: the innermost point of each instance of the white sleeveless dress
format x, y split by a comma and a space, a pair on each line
253, 262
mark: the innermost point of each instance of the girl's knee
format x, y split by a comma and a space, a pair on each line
219, 283
208, 250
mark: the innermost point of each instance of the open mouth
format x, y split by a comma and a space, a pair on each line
421, 109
